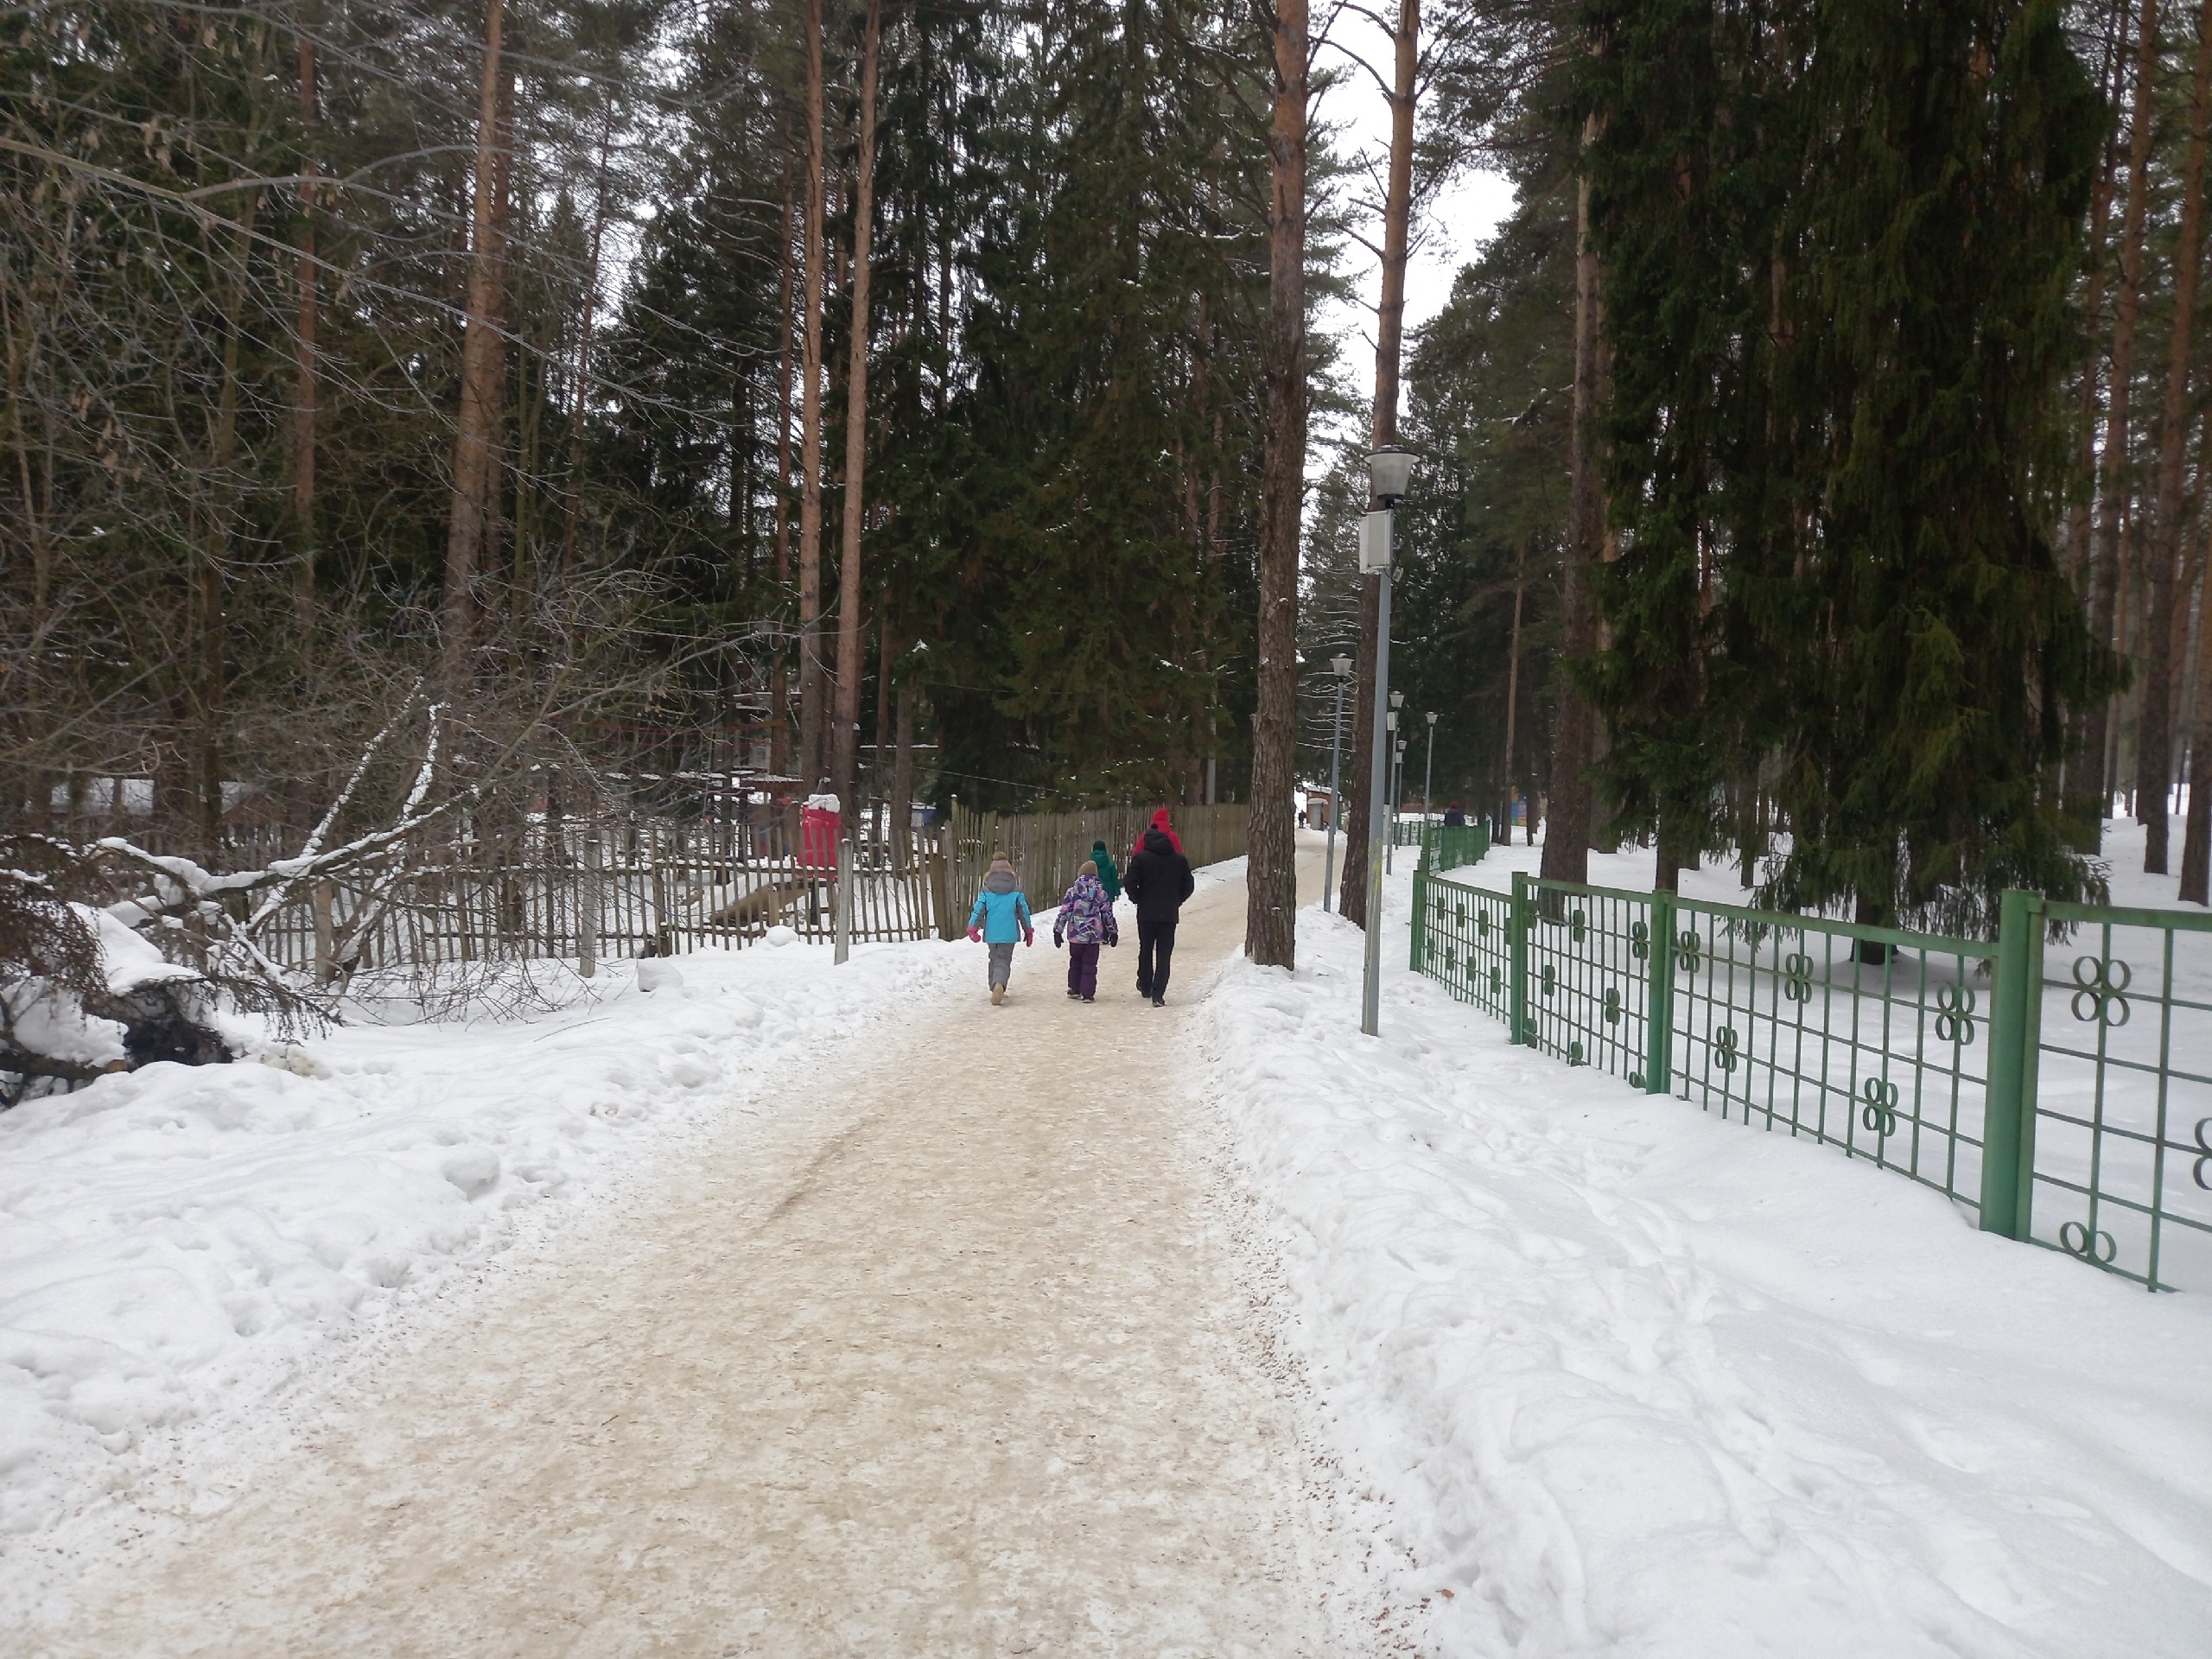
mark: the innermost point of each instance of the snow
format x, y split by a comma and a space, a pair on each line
1628, 1379
1719, 879
42, 1018
128, 959
1637, 1381
177, 1243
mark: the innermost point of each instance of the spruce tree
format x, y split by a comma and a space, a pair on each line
1838, 241
1928, 647
1682, 190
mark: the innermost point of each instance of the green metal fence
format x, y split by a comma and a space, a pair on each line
1448, 846
2112, 1160
2079, 1116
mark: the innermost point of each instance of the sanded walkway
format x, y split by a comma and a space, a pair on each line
956, 1362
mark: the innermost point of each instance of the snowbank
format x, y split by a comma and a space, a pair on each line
179, 1239
1638, 1381
1719, 879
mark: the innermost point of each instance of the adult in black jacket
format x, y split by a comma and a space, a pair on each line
1158, 878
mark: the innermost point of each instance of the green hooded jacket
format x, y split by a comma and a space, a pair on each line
1107, 875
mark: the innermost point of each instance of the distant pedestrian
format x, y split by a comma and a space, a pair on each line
1159, 823
1453, 817
1086, 921
999, 920
1108, 877
1158, 878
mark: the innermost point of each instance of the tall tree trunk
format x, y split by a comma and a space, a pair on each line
1567, 818
1351, 887
482, 364
902, 780
2104, 603
1389, 339
1513, 685
810, 687
578, 392
2078, 517
2196, 840
2181, 641
2154, 738
846, 750
2078, 799
490, 571
2130, 528
525, 581
303, 417
1271, 878
23, 341
211, 620
780, 672
879, 780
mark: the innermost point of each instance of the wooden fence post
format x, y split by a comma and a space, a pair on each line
940, 896
844, 903
325, 965
588, 911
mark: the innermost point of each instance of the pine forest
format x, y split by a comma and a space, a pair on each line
628, 400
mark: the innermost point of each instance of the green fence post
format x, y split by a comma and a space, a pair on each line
1419, 929
1516, 944
1659, 997
2008, 1126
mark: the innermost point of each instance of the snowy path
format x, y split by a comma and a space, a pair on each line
958, 1362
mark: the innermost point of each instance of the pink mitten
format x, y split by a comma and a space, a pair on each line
975, 935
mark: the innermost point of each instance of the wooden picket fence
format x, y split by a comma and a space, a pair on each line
1048, 848
591, 890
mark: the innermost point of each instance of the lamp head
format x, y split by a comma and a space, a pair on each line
1389, 470
1340, 666
1397, 699
1431, 716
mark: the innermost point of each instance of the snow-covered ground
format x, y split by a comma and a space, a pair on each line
179, 1243
1638, 1381
1720, 880
1630, 1379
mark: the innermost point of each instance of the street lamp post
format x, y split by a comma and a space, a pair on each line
1388, 471
1398, 788
1397, 753
1429, 775
1391, 786
1340, 668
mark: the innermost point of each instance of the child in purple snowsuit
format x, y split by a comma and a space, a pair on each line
1086, 921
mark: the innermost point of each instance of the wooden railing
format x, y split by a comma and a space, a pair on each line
589, 889
592, 890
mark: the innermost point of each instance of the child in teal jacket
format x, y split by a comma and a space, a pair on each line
1108, 877
1001, 916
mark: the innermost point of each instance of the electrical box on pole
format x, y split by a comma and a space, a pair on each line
1374, 541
